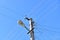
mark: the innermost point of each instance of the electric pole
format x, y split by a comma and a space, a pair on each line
31, 27
31, 30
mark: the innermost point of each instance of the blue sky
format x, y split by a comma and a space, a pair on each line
45, 13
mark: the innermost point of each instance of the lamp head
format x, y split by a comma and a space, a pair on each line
21, 23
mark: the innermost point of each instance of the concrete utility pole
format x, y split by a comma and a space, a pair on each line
31, 30
31, 27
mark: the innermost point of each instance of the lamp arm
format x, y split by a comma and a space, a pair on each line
26, 28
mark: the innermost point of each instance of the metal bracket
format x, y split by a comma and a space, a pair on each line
30, 30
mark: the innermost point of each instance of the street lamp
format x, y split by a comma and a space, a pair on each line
22, 24
31, 30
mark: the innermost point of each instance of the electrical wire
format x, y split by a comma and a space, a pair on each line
39, 30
